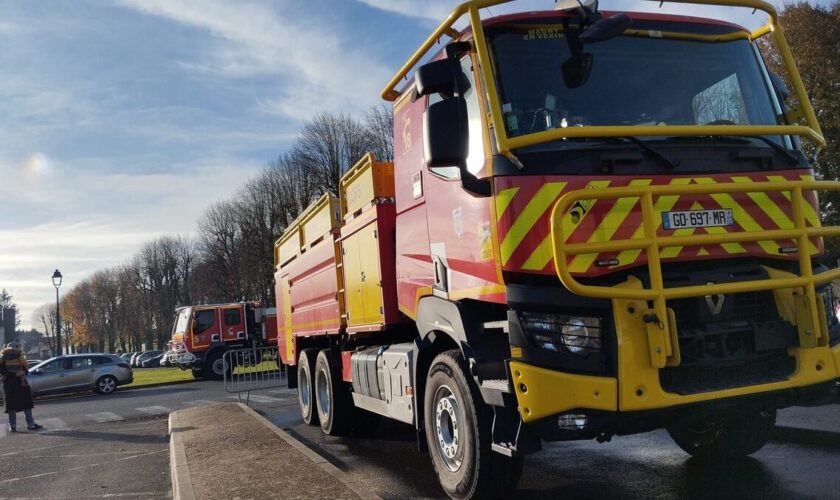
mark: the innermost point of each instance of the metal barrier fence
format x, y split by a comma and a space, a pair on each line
253, 369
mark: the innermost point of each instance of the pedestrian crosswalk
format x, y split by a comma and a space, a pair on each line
154, 410
78, 422
105, 416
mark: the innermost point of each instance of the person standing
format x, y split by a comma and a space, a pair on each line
13, 370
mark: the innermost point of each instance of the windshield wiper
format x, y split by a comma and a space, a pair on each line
776, 147
670, 165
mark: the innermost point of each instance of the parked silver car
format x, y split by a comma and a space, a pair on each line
77, 372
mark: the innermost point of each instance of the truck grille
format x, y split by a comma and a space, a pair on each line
745, 343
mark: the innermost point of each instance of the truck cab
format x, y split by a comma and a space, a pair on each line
201, 334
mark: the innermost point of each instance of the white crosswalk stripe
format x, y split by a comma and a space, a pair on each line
105, 416
154, 410
51, 424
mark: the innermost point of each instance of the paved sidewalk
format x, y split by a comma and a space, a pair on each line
230, 451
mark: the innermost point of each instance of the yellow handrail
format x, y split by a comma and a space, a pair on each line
652, 243
507, 144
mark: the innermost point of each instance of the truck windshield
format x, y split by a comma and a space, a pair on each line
643, 79
181, 321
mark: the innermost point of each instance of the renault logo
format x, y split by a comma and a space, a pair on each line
715, 302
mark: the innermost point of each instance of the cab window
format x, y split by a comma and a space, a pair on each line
203, 320
233, 317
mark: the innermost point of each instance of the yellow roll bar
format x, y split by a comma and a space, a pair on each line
507, 144
652, 243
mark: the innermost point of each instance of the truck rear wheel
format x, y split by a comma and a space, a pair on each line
733, 437
332, 397
458, 432
306, 384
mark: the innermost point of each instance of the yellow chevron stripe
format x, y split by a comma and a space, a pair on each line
772, 210
503, 199
607, 228
810, 214
662, 204
543, 254
741, 216
529, 216
541, 257
766, 205
671, 252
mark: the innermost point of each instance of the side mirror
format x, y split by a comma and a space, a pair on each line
437, 77
576, 70
446, 133
605, 29
780, 86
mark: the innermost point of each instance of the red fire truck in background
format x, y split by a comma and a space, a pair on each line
203, 333
595, 224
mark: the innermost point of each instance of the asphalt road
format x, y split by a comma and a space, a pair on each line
115, 446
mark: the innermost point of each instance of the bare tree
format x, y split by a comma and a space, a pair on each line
379, 121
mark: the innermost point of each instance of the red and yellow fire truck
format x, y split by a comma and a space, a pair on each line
595, 224
202, 334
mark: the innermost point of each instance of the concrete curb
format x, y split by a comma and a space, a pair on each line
158, 384
358, 487
182, 486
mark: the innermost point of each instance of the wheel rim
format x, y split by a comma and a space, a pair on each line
219, 366
323, 393
107, 385
303, 390
447, 431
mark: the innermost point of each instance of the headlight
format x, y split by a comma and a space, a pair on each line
559, 332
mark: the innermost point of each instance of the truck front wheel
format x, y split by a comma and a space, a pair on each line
458, 431
736, 436
306, 384
216, 366
332, 396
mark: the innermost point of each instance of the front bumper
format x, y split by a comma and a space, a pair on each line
542, 392
182, 359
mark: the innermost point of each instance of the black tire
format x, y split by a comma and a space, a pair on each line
332, 397
306, 386
733, 437
458, 432
197, 373
106, 384
215, 366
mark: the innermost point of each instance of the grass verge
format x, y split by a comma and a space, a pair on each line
162, 375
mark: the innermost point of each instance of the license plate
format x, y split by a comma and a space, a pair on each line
697, 218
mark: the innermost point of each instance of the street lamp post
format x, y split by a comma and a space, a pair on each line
56, 279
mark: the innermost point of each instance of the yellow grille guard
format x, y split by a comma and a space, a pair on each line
661, 327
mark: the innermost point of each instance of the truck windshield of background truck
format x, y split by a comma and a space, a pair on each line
650, 78
182, 322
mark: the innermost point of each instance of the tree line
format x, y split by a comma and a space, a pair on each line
230, 257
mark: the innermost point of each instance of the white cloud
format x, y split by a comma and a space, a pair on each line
326, 71
95, 219
436, 10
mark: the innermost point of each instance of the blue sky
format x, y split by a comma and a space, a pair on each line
121, 120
